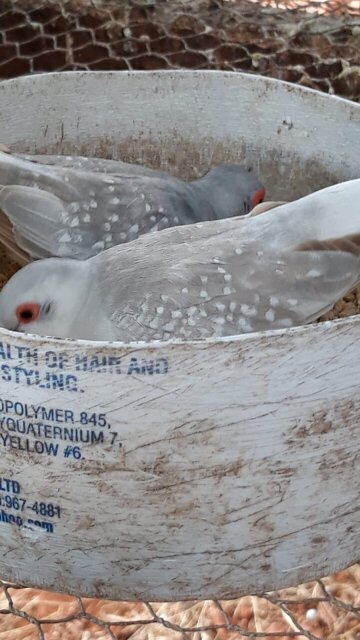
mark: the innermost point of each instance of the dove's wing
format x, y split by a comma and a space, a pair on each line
72, 213
217, 288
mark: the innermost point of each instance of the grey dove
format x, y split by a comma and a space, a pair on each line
76, 206
280, 269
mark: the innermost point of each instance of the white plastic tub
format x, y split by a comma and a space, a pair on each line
213, 468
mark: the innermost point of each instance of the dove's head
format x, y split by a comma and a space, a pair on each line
45, 297
232, 190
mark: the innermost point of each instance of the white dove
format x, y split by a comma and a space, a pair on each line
280, 269
76, 207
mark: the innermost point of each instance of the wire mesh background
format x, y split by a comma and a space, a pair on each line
319, 51
315, 43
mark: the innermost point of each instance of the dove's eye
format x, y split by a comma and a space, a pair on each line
27, 312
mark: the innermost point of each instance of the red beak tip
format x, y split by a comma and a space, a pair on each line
258, 197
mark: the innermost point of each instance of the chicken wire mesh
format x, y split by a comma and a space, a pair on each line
328, 608
319, 51
315, 43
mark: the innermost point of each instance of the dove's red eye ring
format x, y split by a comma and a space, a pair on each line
258, 197
27, 312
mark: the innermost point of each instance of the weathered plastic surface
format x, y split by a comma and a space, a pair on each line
182, 470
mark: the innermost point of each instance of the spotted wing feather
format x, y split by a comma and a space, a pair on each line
76, 213
195, 288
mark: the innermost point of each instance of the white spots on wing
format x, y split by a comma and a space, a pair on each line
147, 207
154, 323
203, 313
217, 260
86, 217
108, 237
230, 317
161, 209
313, 273
232, 306
238, 251
176, 314
152, 218
111, 188
122, 235
114, 217
160, 310
259, 253
144, 307
220, 320
176, 219
292, 302
65, 237
191, 311
248, 310
170, 326
65, 217
91, 193
227, 291
274, 301
93, 204
108, 180
115, 200
106, 226
99, 246
75, 222
191, 322
203, 279
66, 178
185, 290
185, 332
244, 324
227, 277
270, 315
220, 306
86, 207
221, 270
203, 294
74, 207
134, 229
164, 297
142, 196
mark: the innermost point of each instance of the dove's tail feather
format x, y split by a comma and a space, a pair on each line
35, 212
348, 244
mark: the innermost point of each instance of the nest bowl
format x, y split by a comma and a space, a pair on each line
175, 470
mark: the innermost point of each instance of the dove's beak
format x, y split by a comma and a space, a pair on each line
258, 197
